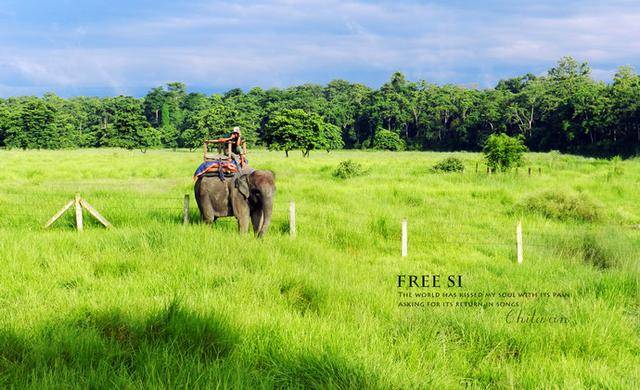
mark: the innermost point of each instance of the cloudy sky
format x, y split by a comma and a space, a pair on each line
109, 47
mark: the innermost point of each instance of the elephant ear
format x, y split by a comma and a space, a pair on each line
242, 184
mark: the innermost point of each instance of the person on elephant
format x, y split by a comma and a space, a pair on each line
236, 145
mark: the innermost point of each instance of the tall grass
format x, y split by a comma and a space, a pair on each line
152, 303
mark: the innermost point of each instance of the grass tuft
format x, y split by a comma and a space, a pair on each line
301, 296
116, 269
561, 205
349, 168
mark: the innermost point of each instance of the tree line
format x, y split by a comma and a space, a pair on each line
565, 110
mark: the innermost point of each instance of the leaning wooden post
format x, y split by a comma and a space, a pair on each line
292, 219
59, 213
185, 210
95, 213
79, 204
519, 241
79, 224
404, 238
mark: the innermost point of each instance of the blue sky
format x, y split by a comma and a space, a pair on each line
99, 47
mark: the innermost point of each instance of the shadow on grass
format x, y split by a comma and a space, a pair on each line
122, 342
173, 347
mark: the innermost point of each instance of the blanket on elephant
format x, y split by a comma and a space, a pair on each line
221, 167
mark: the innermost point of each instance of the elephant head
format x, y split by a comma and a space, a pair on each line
258, 188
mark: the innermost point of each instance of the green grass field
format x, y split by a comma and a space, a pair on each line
152, 303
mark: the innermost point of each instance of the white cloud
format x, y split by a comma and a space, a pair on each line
225, 44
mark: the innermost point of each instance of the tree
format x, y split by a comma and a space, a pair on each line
387, 140
33, 124
564, 110
127, 126
515, 84
503, 152
163, 110
345, 102
295, 129
624, 126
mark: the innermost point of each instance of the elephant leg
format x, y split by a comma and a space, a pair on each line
241, 212
206, 210
256, 220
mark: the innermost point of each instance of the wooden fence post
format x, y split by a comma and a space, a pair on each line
292, 219
79, 203
59, 213
476, 167
519, 241
185, 210
95, 213
529, 171
404, 238
79, 223
539, 171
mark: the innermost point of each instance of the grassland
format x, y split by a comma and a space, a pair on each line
153, 303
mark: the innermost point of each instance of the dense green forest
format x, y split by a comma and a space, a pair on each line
565, 110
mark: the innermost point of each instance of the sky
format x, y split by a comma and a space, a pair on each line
106, 48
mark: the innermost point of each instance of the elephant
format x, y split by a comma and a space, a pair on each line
248, 196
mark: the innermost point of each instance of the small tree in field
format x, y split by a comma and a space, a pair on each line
503, 152
296, 129
387, 140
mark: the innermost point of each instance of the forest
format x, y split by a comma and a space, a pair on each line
564, 110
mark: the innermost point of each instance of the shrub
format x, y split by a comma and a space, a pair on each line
561, 205
599, 248
597, 253
503, 152
387, 140
449, 164
348, 168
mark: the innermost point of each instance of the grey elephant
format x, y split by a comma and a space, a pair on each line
248, 197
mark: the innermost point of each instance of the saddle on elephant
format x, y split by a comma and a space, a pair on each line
219, 167
218, 164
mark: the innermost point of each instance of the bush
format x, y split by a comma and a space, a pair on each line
503, 152
562, 206
599, 248
348, 168
449, 164
387, 140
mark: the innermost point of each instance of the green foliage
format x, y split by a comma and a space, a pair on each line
296, 129
35, 124
564, 110
387, 140
126, 127
561, 205
348, 168
449, 164
503, 152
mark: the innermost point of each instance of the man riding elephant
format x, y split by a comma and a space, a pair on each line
236, 146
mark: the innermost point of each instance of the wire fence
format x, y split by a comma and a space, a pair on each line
423, 229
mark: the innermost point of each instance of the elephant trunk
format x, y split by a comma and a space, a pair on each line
267, 209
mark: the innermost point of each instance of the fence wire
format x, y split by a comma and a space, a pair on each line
421, 230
